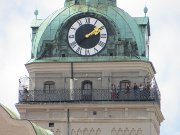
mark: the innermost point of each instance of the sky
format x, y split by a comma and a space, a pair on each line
15, 47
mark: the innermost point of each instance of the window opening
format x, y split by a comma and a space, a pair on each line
124, 84
51, 124
87, 90
49, 85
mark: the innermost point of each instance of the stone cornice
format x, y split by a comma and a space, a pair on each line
95, 66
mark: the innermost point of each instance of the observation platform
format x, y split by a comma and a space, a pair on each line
79, 95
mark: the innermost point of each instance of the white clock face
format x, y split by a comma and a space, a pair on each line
87, 36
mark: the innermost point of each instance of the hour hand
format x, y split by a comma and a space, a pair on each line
94, 32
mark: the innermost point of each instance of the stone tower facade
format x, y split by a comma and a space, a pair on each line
90, 73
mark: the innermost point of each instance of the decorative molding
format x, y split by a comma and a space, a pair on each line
86, 131
126, 131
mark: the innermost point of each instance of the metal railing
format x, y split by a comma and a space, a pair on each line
66, 95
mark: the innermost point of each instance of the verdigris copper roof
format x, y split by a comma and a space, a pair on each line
126, 27
37, 23
142, 20
41, 131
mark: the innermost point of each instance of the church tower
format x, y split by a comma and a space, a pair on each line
90, 73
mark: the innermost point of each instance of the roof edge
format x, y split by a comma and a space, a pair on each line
11, 113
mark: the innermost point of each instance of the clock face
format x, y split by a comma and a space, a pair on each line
87, 36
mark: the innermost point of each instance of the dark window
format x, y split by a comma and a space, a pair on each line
63, 55
87, 90
124, 84
111, 54
49, 85
94, 112
87, 85
76, 2
51, 124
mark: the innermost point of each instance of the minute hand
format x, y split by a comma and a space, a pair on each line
94, 32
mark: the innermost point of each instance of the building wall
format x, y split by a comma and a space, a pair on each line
103, 119
103, 74
95, 117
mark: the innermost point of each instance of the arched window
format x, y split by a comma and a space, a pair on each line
124, 84
49, 85
87, 90
87, 85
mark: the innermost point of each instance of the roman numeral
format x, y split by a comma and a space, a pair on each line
73, 44
71, 36
103, 35
96, 50
87, 52
73, 28
102, 27
95, 22
79, 22
102, 44
88, 20
79, 49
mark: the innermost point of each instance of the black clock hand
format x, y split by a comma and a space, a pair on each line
82, 40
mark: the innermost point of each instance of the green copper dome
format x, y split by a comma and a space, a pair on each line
94, 3
50, 35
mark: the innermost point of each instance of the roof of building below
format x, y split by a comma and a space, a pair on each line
41, 131
37, 129
11, 113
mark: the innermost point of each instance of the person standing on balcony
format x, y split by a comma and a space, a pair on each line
127, 89
141, 88
127, 92
148, 89
113, 92
135, 88
26, 93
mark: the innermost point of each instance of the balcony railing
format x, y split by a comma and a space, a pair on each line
77, 95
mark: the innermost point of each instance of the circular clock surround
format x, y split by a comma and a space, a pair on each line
87, 36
